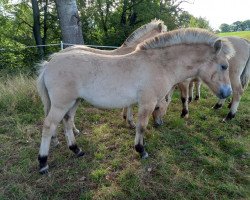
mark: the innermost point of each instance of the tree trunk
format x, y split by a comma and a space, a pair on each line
36, 26
69, 19
45, 28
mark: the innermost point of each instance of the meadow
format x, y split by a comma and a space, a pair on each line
196, 158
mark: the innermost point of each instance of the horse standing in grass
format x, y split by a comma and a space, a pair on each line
239, 73
144, 76
146, 31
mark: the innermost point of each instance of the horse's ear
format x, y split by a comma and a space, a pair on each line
160, 27
218, 46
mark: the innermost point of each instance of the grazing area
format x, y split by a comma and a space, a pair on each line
242, 34
197, 158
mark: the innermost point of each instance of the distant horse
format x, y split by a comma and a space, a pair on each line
146, 31
144, 76
239, 73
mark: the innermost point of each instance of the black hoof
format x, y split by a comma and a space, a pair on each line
44, 170
190, 99
140, 149
80, 154
217, 106
144, 155
197, 98
184, 113
229, 117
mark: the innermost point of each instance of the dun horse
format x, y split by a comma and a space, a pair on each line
144, 76
239, 73
146, 31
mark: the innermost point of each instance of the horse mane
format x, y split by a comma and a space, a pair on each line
138, 33
187, 36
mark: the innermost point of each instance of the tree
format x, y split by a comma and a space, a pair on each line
199, 23
36, 26
69, 20
225, 28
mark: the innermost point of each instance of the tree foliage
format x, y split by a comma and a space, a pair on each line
104, 22
236, 26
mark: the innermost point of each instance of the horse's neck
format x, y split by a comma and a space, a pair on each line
183, 61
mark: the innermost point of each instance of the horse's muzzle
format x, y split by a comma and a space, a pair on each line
225, 91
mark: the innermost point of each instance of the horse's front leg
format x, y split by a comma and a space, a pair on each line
143, 116
198, 89
237, 93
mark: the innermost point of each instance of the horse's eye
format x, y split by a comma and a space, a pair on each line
224, 67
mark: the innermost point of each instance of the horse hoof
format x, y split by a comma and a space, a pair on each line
217, 106
76, 131
190, 99
144, 155
80, 154
131, 124
44, 170
197, 98
229, 117
184, 113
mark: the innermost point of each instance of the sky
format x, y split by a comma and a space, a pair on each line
218, 12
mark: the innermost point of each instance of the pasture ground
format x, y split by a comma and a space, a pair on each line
197, 158
242, 34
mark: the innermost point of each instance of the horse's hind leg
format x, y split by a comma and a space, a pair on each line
184, 98
190, 91
51, 122
128, 116
143, 117
72, 113
70, 137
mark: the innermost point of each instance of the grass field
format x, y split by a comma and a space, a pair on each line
243, 34
197, 158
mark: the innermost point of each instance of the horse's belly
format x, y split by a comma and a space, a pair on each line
109, 99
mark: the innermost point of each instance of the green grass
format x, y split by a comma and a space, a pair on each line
197, 158
242, 34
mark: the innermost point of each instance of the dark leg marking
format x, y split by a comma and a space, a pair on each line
190, 99
140, 149
66, 117
197, 97
124, 117
183, 100
157, 108
43, 166
217, 106
76, 150
230, 116
184, 112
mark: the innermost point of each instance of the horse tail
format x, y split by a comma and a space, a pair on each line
245, 76
41, 87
